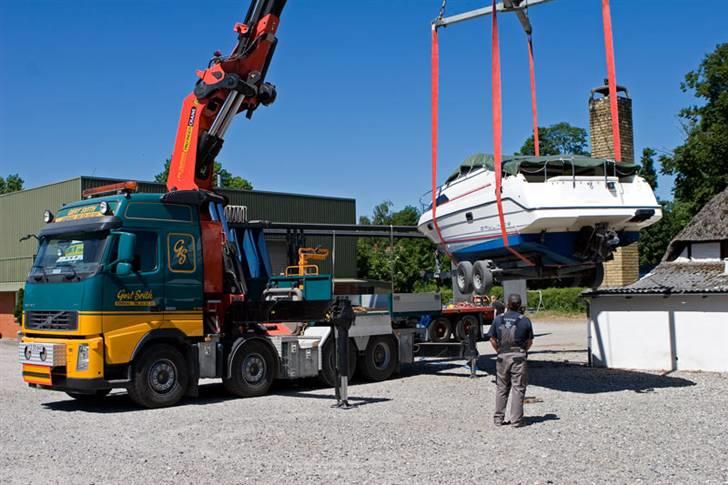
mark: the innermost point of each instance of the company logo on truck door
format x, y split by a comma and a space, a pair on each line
134, 298
181, 252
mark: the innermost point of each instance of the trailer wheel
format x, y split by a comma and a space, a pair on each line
159, 378
251, 371
328, 362
464, 326
464, 277
380, 359
94, 396
440, 330
482, 278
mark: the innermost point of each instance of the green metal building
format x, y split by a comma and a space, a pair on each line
21, 213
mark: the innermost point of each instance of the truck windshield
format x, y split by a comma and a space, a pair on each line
68, 258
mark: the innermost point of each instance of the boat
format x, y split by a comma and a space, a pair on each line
563, 217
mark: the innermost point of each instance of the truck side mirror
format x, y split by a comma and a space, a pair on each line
127, 244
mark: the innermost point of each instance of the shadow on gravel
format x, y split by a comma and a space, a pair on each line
529, 420
561, 376
209, 393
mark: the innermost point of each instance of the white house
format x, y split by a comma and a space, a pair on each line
676, 317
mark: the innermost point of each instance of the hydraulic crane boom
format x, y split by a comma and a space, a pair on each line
228, 86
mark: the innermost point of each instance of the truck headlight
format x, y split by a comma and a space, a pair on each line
82, 358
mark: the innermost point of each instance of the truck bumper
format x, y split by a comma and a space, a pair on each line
63, 364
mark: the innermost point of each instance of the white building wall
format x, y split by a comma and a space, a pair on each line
680, 332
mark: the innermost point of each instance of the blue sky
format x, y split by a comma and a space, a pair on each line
95, 87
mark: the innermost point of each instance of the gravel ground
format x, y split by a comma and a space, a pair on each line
433, 424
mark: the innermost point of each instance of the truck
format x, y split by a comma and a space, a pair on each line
154, 292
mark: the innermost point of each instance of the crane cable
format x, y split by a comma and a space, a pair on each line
611, 79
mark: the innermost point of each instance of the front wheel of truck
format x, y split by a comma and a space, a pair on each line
159, 377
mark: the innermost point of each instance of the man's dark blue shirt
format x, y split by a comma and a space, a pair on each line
524, 329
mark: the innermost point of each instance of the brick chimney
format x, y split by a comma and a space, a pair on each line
624, 268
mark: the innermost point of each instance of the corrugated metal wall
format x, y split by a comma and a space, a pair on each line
21, 213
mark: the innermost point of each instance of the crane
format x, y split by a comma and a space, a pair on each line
229, 85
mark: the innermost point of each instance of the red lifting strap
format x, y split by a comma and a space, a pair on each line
612, 79
498, 132
532, 74
435, 96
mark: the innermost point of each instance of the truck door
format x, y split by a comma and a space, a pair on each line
133, 303
184, 281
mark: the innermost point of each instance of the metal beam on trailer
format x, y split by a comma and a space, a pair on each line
506, 6
343, 230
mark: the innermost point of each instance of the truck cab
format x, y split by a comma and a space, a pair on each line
111, 275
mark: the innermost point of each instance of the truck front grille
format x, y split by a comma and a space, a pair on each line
51, 320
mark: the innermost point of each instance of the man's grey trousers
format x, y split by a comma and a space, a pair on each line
511, 377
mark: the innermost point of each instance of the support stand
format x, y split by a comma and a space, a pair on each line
343, 318
472, 351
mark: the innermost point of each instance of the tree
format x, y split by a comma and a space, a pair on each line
700, 164
404, 261
655, 239
12, 183
557, 139
647, 170
227, 180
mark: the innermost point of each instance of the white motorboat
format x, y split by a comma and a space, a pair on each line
563, 216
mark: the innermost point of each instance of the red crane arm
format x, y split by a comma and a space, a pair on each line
228, 86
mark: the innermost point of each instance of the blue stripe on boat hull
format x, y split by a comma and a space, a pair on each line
554, 247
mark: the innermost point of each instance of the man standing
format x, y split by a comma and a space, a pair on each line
511, 335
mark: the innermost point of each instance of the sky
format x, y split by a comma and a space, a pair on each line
94, 87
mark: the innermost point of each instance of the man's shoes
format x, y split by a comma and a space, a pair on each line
517, 424
500, 422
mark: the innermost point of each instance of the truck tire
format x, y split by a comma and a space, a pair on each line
95, 396
252, 370
380, 358
464, 326
159, 377
327, 375
464, 277
440, 330
482, 278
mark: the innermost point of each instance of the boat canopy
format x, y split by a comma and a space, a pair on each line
548, 166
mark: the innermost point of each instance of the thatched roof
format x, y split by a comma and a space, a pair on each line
710, 224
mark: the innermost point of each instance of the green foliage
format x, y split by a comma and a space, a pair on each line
227, 180
18, 312
647, 167
655, 239
565, 301
402, 262
700, 164
12, 183
557, 139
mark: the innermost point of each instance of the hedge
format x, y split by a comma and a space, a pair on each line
556, 300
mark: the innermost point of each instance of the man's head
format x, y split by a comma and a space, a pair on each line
514, 302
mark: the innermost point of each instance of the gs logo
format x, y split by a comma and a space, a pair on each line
181, 252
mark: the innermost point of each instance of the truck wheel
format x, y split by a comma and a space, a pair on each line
440, 330
252, 370
328, 362
159, 377
464, 326
482, 278
380, 359
464, 277
95, 396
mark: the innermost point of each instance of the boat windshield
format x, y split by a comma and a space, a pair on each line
64, 258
